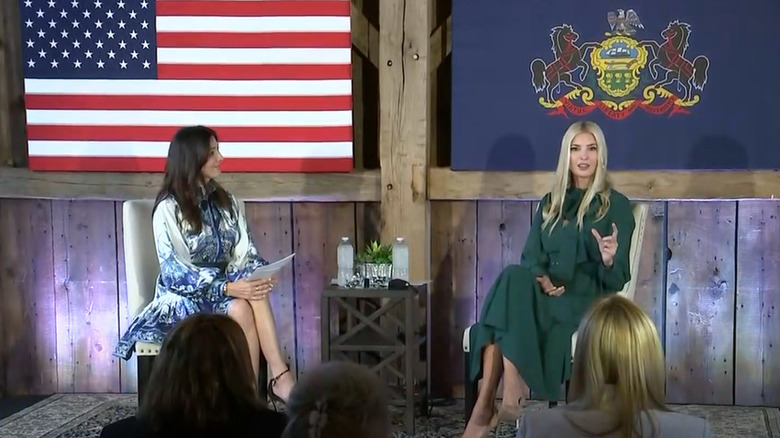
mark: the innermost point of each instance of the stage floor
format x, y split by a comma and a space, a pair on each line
83, 415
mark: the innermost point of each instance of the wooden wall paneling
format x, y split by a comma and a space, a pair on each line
650, 290
9, 311
757, 358
700, 302
358, 111
454, 291
317, 231
6, 140
353, 186
86, 290
271, 228
11, 44
368, 222
4, 317
440, 78
365, 83
445, 184
360, 34
128, 370
28, 310
502, 228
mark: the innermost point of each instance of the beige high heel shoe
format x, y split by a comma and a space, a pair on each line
511, 413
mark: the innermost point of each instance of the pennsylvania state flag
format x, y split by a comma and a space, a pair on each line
674, 84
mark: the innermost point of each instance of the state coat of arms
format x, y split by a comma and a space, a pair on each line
620, 73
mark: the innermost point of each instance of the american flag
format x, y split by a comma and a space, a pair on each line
108, 82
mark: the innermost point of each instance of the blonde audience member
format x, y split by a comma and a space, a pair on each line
617, 383
338, 400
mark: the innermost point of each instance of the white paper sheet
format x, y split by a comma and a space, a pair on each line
271, 269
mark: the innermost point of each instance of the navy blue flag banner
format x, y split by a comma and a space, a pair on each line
674, 84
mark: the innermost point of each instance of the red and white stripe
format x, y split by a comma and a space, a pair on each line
273, 78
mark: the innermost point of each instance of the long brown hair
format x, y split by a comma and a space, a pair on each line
189, 150
618, 366
202, 378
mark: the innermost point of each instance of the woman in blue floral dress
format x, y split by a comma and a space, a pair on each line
205, 252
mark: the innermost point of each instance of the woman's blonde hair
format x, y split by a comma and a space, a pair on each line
600, 186
618, 365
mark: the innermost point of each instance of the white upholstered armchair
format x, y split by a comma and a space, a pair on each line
141, 271
641, 211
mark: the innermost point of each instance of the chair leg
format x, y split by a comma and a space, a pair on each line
144, 364
470, 388
553, 404
262, 378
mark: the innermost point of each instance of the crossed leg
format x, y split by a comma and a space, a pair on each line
515, 388
265, 327
241, 312
484, 416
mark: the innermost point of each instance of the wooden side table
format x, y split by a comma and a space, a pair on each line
385, 323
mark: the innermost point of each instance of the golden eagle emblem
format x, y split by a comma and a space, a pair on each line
623, 22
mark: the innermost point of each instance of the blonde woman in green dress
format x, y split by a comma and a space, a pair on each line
576, 252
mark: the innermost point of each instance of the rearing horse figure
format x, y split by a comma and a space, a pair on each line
568, 57
671, 57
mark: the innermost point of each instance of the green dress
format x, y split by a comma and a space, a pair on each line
534, 329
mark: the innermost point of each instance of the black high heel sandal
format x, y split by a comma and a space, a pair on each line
271, 394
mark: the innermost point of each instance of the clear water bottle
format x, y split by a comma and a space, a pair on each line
346, 261
400, 259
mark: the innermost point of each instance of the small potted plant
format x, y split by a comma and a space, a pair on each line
376, 264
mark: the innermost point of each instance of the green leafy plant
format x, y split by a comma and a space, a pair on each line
376, 253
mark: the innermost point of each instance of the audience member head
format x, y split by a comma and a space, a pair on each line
618, 363
192, 164
338, 399
582, 163
202, 377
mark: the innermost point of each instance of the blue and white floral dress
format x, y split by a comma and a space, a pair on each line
194, 266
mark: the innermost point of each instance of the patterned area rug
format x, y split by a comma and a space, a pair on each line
84, 415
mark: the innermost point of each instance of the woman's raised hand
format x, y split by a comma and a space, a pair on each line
608, 245
251, 289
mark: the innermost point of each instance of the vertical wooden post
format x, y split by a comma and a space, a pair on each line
13, 137
5, 107
403, 127
358, 109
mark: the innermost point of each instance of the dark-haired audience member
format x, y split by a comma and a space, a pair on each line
617, 383
202, 385
338, 400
